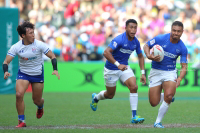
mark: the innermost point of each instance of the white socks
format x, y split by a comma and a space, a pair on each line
133, 101
162, 111
100, 96
161, 97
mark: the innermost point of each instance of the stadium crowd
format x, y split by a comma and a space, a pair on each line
80, 30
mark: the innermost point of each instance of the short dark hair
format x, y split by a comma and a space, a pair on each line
177, 23
21, 29
130, 21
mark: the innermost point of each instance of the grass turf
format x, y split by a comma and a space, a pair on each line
70, 112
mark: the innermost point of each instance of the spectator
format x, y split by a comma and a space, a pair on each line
83, 55
94, 56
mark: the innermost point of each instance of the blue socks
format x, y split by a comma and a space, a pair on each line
40, 107
95, 100
134, 113
21, 118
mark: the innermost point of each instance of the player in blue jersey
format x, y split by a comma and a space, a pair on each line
116, 67
29, 51
163, 74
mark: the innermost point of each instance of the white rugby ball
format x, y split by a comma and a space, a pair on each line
158, 50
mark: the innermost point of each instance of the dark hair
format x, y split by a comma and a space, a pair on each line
130, 21
177, 23
21, 29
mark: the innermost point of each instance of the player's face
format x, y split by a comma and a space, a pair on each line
176, 32
30, 36
131, 29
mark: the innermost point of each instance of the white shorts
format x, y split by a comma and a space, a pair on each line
157, 77
112, 76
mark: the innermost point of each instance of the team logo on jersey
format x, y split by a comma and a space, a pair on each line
30, 58
152, 42
125, 45
115, 44
164, 46
177, 51
21, 51
134, 46
34, 50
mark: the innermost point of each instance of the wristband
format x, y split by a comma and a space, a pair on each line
116, 63
54, 63
142, 71
180, 78
5, 68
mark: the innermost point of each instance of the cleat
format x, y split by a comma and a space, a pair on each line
39, 113
21, 124
93, 105
173, 99
136, 119
158, 125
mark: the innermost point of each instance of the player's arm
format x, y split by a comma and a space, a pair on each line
183, 71
54, 63
108, 55
5, 66
150, 56
183, 62
141, 63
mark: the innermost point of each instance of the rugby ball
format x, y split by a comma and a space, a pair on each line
158, 50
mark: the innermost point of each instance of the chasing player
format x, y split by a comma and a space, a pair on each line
163, 74
31, 70
116, 67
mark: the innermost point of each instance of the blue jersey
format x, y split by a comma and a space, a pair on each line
122, 49
171, 52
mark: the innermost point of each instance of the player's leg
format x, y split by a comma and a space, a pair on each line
155, 95
21, 86
128, 78
105, 94
169, 86
111, 78
37, 90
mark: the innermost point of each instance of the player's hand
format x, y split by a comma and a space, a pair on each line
154, 58
143, 79
122, 67
55, 72
6, 75
178, 81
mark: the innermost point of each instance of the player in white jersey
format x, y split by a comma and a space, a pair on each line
29, 51
116, 67
163, 74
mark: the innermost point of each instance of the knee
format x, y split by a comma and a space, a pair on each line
169, 98
19, 95
133, 88
153, 104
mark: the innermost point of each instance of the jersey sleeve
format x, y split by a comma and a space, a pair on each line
184, 53
114, 44
12, 51
138, 48
153, 42
44, 47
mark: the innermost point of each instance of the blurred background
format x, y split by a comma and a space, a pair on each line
80, 30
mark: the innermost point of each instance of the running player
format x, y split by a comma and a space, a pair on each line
163, 74
30, 51
116, 67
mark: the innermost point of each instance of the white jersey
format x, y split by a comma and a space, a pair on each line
30, 56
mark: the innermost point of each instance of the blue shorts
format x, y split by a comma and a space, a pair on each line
31, 79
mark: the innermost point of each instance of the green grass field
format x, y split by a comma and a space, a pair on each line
70, 112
